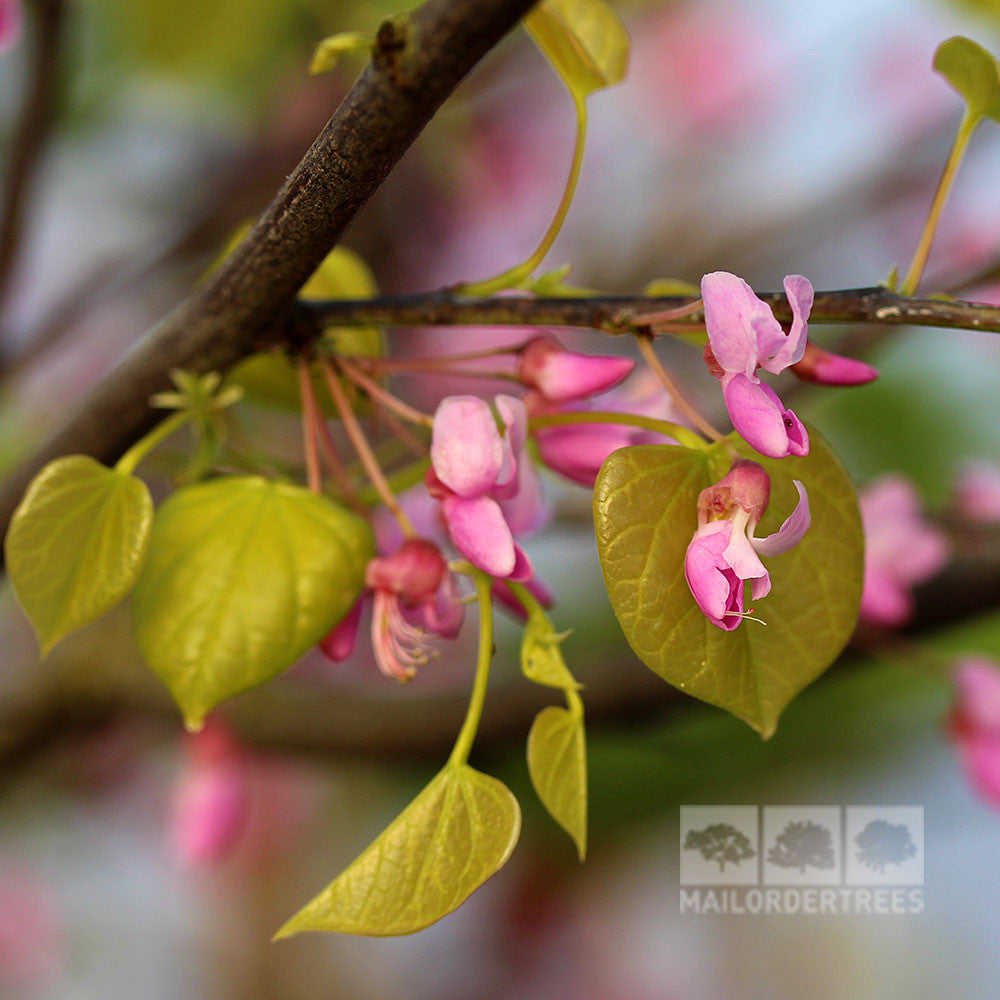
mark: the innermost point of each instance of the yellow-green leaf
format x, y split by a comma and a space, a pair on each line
449, 840
645, 514
76, 543
973, 72
541, 656
557, 763
330, 50
584, 41
271, 380
243, 576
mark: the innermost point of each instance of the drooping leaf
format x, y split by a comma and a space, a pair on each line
973, 72
557, 763
449, 840
76, 544
584, 40
271, 380
645, 514
330, 50
541, 656
243, 576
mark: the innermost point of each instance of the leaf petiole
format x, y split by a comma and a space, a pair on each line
128, 462
463, 745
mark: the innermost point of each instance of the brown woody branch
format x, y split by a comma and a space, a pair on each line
418, 59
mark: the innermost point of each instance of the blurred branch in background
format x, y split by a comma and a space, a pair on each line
32, 130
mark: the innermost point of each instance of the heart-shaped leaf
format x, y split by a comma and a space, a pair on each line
449, 840
584, 41
645, 514
973, 72
76, 544
557, 763
243, 576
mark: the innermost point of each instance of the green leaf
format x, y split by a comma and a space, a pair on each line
449, 840
76, 544
557, 763
331, 48
244, 575
973, 72
584, 41
271, 380
541, 655
645, 514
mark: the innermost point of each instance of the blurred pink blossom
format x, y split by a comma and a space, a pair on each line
10, 24
975, 724
211, 801
977, 491
29, 932
902, 549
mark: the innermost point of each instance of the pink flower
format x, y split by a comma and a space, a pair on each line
902, 549
977, 492
577, 451
826, 368
562, 376
414, 594
743, 335
211, 802
10, 24
30, 945
485, 482
724, 553
975, 724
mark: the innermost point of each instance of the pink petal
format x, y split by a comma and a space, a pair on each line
980, 756
445, 614
536, 587
761, 420
523, 571
479, 531
737, 321
562, 375
527, 511
578, 451
825, 368
339, 642
739, 554
790, 349
884, 601
714, 586
977, 493
515, 419
466, 449
791, 531
10, 24
977, 681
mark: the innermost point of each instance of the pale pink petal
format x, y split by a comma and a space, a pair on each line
716, 589
740, 555
479, 531
791, 531
977, 681
466, 448
777, 357
977, 492
980, 756
11, 18
737, 323
515, 419
760, 587
762, 421
884, 601
444, 615
527, 511
562, 375
577, 451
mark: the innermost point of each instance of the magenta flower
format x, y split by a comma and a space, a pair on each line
975, 724
577, 451
977, 492
10, 24
825, 368
562, 376
724, 552
743, 335
902, 549
485, 482
211, 803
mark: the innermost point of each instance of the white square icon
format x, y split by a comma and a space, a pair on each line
885, 845
801, 845
719, 845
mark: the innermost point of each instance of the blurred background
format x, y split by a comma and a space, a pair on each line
758, 136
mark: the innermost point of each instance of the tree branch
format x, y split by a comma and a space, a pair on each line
32, 130
614, 314
417, 61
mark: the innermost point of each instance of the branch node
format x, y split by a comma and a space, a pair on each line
390, 45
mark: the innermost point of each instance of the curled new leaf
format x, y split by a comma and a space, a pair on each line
330, 50
541, 655
244, 575
644, 515
584, 40
76, 544
449, 840
973, 72
557, 763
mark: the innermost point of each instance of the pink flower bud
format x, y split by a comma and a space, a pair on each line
414, 571
562, 375
211, 803
825, 368
746, 486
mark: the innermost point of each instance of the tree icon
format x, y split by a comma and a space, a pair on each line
881, 843
720, 842
802, 845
